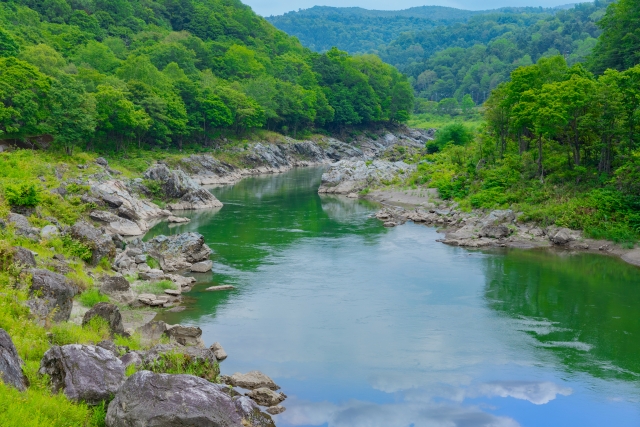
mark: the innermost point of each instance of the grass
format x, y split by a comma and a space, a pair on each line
433, 121
156, 287
178, 363
69, 333
91, 297
153, 263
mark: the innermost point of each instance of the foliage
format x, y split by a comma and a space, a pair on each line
91, 297
156, 287
454, 133
617, 47
160, 72
179, 363
76, 248
26, 194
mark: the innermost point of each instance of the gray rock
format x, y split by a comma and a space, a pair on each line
499, 217
218, 351
115, 283
131, 358
266, 397
129, 206
185, 335
110, 313
152, 331
163, 400
220, 288
561, 237
112, 201
11, 363
83, 372
178, 185
275, 410
22, 226
348, 176
100, 244
499, 231
175, 252
109, 345
202, 266
102, 161
23, 257
195, 354
250, 381
51, 295
139, 259
116, 224
178, 219
49, 231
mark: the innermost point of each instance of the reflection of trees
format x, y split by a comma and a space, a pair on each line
343, 209
588, 298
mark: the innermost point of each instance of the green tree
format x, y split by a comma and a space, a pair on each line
467, 105
117, 118
619, 44
8, 46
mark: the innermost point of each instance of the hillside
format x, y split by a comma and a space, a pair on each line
157, 73
461, 54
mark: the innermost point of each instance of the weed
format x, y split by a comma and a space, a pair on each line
92, 297
156, 287
152, 262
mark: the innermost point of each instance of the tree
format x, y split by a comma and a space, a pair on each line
467, 105
98, 56
8, 46
619, 44
240, 62
117, 118
46, 58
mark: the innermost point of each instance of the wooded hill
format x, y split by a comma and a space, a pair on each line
159, 72
457, 53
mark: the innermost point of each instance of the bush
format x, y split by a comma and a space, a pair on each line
25, 194
78, 249
455, 133
178, 363
92, 297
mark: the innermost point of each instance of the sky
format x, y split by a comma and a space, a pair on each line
278, 7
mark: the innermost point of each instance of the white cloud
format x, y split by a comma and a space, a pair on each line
537, 393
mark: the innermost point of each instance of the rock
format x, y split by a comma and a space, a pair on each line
499, 217
220, 288
348, 176
109, 345
23, 257
275, 410
352, 195
143, 268
202, 266
185, 335
580, 246
152, 331
251, 380
22, 226
115, 283
83, 372
131, 358
152, 274
218, 351
110, 313
178, 219
389, 224
100, 244
194, 355
176, 252
173, 292
116, 224
561, 237
54, 295
177, 185
102, 161
11, 363
499, 231
112, 201
49, 231
181, 281
139, 259
163, 400
266, 397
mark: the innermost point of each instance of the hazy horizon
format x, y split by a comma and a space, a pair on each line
267, 7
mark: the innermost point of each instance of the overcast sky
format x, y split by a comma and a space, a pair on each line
278, 7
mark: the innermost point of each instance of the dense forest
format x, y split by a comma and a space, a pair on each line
158, 73
561, 141
449, 59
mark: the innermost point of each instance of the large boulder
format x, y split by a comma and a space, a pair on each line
185, 335
251, 380
178, 186
177, 252
22, 226
266, 397
118, 288
497, 231
197, 355
23, 257
118, 225
51, 296
562, 237
110, 313
163, 400
11, 364
101, 245
83, 372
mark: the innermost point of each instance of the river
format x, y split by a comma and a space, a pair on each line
367, 326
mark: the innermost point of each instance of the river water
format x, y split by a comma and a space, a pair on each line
364, 326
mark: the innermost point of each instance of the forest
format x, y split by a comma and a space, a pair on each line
560, 142
453, 55
117, 73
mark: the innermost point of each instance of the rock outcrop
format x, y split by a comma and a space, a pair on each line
51, 296
23, 257
347, 176
83, 372
266, 397
251, 380
22, 226
118, 288
177, 252
116, 224
163, 400
101, 244
110, 313
11, 363
178, 186
185, 335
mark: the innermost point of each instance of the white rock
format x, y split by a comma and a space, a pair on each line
49, 231
202, 266
220, 288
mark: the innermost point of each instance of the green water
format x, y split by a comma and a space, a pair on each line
367, 326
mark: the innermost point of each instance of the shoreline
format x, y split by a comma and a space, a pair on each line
420, 201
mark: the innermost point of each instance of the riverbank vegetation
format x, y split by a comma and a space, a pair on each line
559, 144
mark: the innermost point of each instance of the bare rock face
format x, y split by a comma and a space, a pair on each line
275, 410
163, 400
499, 231
185, 335
116, 224
24, 257
50, 291
178, 185
266, 397
177, 252
347, 176
118, 288
100, 244
83, 372
251, 380
152, 331
110, 313
11, 364
22, 226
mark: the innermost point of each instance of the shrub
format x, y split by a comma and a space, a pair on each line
455, 133
178, 363
92, 297
24, 194
152, 262
78, 249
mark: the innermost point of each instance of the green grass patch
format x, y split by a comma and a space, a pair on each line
178, 363
91, 297
156, 287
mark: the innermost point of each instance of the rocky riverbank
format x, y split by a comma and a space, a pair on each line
141, 361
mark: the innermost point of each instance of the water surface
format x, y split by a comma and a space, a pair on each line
367, 326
